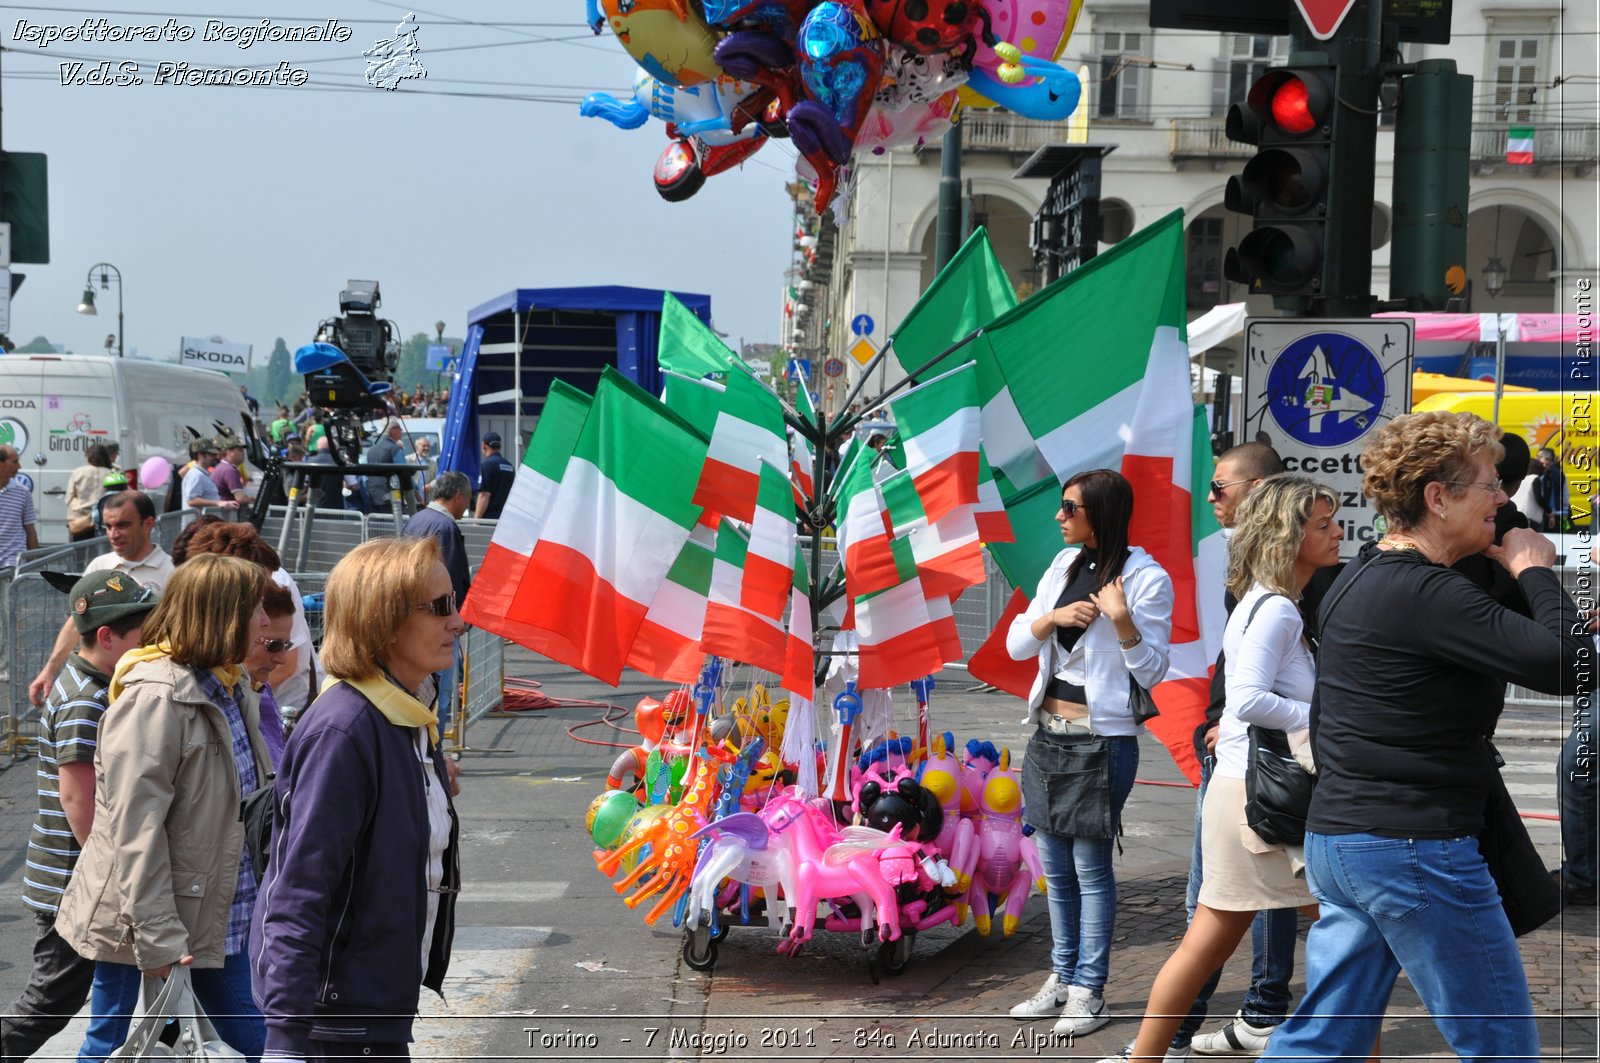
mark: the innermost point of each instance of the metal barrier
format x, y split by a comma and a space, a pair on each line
483, 676
34, 611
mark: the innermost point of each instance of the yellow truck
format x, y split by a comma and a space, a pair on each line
1564, 421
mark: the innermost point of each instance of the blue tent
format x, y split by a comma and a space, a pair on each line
571, 333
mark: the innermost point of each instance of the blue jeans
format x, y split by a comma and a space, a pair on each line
1082, 888
1426, 906
1272, 936
1575, 787
223, 992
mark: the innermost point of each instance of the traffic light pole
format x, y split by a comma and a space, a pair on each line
1356, 54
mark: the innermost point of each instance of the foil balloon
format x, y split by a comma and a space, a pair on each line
926, 27
1038, 29
885, 130
910, 79
705, 110
666, 37
1046, 92
683, 165
778, 17
840, 65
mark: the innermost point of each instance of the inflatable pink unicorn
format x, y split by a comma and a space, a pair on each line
1003, 851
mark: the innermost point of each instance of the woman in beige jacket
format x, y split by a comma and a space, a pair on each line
84, 488
163, 878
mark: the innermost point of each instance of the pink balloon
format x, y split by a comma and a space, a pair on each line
155, 472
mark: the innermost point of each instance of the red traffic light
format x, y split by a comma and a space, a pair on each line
1291, 107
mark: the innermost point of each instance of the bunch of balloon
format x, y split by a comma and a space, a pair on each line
837, 77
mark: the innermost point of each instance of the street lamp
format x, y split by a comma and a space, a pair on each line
1494, 271
106, 270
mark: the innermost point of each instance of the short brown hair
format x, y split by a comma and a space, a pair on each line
369, 594
1417, 449
216, 536
277, 601
206, 609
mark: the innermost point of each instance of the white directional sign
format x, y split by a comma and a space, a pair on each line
1317, 389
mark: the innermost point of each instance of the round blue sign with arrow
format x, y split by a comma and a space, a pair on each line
1326, 389
862, 325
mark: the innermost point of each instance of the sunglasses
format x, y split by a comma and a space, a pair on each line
444, 605
276, 645
1217, 486
1071, 508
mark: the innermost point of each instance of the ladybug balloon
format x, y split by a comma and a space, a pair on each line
927, 27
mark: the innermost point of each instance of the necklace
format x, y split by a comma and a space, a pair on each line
1396, 544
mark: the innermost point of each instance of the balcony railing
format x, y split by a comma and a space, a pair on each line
1570, 145
1004, 131
1203, 138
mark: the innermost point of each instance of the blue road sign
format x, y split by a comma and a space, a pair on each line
1326, 389
862, 325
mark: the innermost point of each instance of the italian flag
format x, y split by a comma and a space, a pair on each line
938, 426
1103, 357
732, 630
769, 565
749, 428
1519, 145
948, 555
990, 512
500, 578
799, 663
864, 540
619, 521
668, 644
902, 634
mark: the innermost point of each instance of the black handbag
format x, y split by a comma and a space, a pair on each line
1140, 702
255, 812
1277, 790
1528, 893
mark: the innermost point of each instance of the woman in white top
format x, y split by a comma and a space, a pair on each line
1100, 621
1285, 531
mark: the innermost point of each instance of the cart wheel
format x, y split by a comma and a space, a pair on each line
894, 957
721, 931
700, 949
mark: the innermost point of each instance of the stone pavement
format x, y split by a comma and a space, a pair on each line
544, 939
953, 1000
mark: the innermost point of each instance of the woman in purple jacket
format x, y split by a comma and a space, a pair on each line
357, 909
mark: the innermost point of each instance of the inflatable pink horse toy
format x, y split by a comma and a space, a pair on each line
997, 882
808, 832
958, 838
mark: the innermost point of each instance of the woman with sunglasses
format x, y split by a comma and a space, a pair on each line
268, 652
163, 879
358, 904
1100, 621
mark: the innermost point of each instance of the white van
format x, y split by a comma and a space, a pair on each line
54, 407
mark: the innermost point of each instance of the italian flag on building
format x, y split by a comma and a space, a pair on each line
1519, 145
618, 523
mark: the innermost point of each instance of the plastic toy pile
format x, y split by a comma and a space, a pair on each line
717, 818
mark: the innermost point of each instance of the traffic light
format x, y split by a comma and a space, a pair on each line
1289, 116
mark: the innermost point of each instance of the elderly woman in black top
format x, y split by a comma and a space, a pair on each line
1410, 683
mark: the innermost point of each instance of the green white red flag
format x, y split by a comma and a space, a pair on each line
618, 523
938, 428
769, 564
748, 429
1519, 145
731, 629
948, 555
668, 644
902, 634
799, 666
501, 577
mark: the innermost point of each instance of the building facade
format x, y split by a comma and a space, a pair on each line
1158, 98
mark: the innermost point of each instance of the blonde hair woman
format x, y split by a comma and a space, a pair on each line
163, 878
1284, 532
359, 905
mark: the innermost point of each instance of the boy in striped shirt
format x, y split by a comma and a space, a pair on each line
108, 610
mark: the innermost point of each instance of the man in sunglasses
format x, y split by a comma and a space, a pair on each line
108, 611
451, 494
130, 519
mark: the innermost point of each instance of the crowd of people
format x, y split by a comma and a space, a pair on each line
1384, 676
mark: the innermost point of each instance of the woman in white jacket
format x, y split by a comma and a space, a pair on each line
1100, 621
1285, 532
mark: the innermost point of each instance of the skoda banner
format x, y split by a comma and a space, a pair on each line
215, 354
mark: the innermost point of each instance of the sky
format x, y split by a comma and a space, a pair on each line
240, 211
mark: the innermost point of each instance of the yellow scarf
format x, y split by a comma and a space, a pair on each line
227, 674
399, 706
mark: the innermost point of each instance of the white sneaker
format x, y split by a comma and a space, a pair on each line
1173, 1055
1085, 1012
1238, 1038
1043, 1004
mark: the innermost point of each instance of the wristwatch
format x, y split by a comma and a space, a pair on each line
1130, 643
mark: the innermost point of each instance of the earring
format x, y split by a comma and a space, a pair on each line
1442, 516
